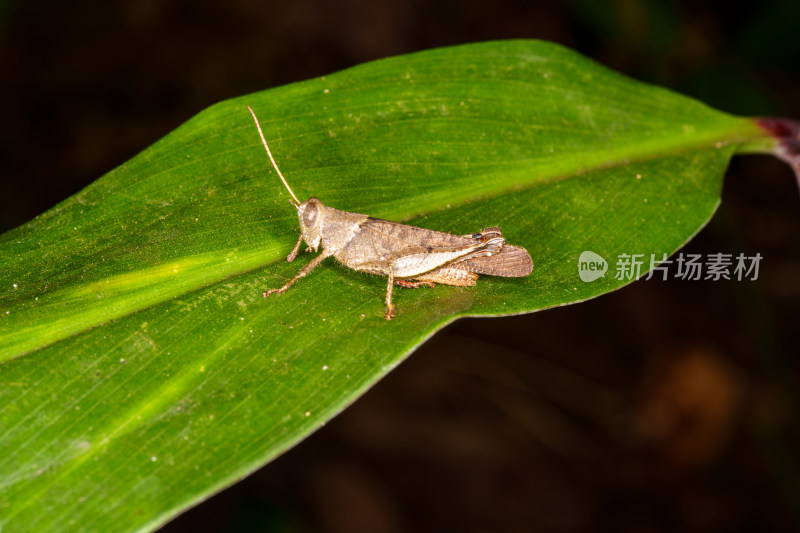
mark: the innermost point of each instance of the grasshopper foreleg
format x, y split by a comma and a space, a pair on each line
293, 254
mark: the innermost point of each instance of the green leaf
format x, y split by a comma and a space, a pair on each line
143, 370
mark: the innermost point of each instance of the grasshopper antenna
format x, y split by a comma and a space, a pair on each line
272, 159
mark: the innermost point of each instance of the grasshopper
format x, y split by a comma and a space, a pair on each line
407, 255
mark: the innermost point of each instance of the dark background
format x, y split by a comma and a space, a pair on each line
666, 406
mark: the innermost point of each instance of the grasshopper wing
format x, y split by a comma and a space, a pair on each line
510, 262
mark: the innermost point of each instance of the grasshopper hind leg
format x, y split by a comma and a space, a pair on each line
414, 284
402, 283
449, 275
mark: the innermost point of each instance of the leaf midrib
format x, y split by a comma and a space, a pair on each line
24, 340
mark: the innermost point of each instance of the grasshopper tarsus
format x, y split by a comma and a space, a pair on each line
268, 292
283, 289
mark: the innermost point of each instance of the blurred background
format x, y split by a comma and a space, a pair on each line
665, 406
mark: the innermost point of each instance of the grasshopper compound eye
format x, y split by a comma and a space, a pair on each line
310, 213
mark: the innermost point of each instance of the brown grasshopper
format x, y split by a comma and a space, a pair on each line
407, 255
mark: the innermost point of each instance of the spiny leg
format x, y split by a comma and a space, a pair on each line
402, 283
457, 274
414, 284
303, 272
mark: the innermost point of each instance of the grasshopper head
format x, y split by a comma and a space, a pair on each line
310, 215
